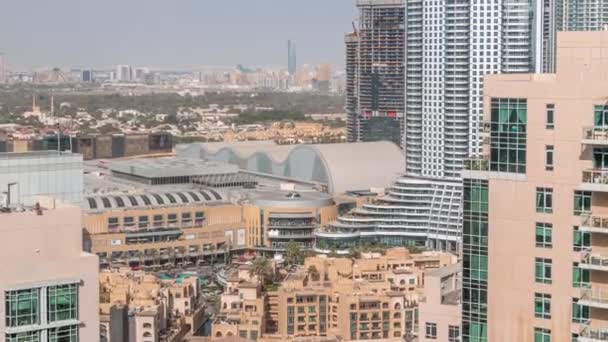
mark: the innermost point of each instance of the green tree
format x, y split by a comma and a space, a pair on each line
262, 268
294, 256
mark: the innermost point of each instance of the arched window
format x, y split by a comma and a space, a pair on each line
147, 326
147, 334
397, 306
218, 334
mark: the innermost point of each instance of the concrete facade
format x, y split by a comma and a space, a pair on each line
45, 248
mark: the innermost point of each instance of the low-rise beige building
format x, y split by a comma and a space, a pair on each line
49, 286
439, 310
162, 229
140, 307
374, 297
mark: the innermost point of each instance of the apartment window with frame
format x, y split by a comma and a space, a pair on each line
550, 111
580, 240
22, 307
544, 200
542, 270
582, 202
542, 335
143, 222
549, 150
542, 305
580, 277
544, 235
62, 302
159, 220
431, 330
453, 333
580, 313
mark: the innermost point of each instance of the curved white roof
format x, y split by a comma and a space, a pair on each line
341, 167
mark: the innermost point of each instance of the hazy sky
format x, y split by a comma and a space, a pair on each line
175, 34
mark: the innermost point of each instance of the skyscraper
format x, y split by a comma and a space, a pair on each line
123, 73
2, 69
291, 57
375, 63
87, 75
449, 47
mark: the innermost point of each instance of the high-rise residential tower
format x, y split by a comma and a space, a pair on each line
292, 65
449, 46
375, 63
535, 224
123, 73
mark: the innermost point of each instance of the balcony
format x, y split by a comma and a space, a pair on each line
477, 164
595, 180
594, 224
597, 136
595, 296
594, 262
589, 334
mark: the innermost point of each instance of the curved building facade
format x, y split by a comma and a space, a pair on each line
410, 213
328, 165
274, 218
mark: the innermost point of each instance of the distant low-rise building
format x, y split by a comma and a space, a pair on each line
140, 307
373, 297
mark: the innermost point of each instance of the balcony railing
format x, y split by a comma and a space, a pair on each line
596, 134
594, 334
595, 296
596, 224
595, 176
597, 262
477, 164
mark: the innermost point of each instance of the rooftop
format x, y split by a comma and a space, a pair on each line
171, 167
290, 199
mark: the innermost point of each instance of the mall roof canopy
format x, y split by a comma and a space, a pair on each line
339, 167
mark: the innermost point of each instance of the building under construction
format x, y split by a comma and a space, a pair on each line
375, 52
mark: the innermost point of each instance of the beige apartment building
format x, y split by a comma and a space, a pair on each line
439, 311
374, 297
48, 285
535, 232
140, 307
162, 229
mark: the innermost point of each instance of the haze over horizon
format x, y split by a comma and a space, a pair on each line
158, 34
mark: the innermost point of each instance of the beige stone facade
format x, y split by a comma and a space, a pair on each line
178, 235
547, 238
48, 285
374, 297
140, 307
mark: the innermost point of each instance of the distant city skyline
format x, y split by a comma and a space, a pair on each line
163, 35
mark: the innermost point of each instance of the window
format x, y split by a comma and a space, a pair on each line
549, 157
550, 111
542, 305
243, 333
30, 336
62, 302
580, 277
113, 223
542, 271
22, 307
600, 116
172, 219
199, 218
544, 235
311, 309
544, 200
542, 335
453, 333
143, 222
476, 266
580, 313
186, 219
580, 240
582, 202
64, 334
431, 330
508, 135
129, 221
159, 220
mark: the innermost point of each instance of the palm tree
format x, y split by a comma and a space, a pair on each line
262, 268
295, 256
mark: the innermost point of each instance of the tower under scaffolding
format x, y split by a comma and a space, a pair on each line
375, 66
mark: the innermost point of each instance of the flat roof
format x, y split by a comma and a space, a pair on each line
290, 199
171, 167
